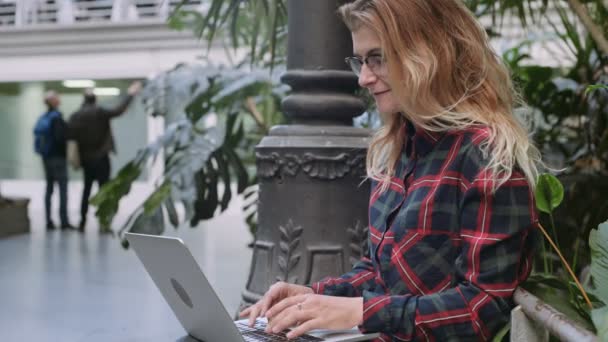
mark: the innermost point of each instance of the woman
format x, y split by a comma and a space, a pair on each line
451, 210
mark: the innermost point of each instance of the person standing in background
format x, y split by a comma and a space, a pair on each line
90, 128
50, 144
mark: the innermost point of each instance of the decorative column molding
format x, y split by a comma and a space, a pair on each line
315, 166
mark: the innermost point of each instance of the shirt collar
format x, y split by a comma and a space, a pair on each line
421, 141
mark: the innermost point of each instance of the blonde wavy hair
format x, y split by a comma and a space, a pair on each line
446, 76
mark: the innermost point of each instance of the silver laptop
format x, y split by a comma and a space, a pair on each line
196, 305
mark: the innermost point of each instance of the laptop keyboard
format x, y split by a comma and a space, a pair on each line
257, 333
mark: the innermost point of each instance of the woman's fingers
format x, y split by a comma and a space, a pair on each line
271, 304
253, 314
260, 308
267, 301
284, 304
305, 312
304, 327
290, 317
271, 296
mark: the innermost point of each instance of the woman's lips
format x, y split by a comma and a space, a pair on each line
381, 92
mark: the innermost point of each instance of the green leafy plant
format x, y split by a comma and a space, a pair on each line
595, 87
259, 25
549, 195
585, 306
567, 109
200, 160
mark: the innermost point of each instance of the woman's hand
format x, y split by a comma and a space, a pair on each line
310, 311
275, 294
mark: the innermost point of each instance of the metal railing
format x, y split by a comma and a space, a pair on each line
20, 13
533, 321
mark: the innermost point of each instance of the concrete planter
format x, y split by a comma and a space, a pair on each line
14, 217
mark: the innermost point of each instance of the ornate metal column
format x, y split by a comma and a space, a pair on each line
312, 203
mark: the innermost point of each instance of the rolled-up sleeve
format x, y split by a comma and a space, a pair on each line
352, 284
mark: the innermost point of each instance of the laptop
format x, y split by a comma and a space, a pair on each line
196, 305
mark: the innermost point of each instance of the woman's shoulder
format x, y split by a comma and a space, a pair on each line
470, 150
461, 143
472, 137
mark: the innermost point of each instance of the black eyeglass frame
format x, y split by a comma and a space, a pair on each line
374, 62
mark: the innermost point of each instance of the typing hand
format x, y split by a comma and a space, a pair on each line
310, 311
274, 295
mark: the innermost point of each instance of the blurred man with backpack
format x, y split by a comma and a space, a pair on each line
50, 144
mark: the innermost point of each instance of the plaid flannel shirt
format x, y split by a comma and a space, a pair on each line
446, 252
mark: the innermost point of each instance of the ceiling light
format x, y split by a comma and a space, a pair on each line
79, 83
106, 91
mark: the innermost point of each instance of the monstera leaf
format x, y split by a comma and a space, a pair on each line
600, 319
202, 157
108, 197
188, 148
598, 241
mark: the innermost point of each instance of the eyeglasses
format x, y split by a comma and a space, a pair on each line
375, 63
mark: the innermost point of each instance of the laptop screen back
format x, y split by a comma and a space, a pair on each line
184, 286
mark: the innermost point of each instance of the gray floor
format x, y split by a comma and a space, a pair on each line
66, 286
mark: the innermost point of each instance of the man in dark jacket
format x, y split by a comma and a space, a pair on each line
90, 128
50, 142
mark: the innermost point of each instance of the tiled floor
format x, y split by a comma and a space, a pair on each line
67, 286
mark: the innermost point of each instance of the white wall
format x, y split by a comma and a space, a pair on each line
9, 133
98, 51
19, 112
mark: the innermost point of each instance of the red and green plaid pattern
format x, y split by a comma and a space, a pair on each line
446, 252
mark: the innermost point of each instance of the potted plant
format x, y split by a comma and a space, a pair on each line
13, 215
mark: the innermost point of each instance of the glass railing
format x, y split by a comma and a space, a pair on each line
22, 13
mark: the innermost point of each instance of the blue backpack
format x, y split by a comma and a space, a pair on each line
44, 138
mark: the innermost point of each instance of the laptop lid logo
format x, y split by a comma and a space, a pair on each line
183, 295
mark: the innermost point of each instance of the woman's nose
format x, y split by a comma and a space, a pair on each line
366, 77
